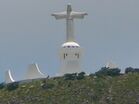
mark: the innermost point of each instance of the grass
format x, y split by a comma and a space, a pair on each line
123, 89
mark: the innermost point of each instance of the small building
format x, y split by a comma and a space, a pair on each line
8, 77
33, 72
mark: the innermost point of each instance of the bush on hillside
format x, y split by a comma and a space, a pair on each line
2, 85
136, 70
114, 72
12, 86
91, 75
81, 75
131, 70
107, 71
72, 76
47, 85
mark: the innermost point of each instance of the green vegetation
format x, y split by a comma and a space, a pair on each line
131, 70
74, 76
108, 71
74, 89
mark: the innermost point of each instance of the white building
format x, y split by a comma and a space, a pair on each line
34, 72
8, 77
70, 52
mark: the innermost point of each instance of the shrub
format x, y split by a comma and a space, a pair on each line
102, 71
12, 86
2, 85
129, 69
91, 75
136, 70
47, 86
107, 71
81, 75
114, 72
72, 76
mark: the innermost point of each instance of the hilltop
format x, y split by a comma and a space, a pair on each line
121, 89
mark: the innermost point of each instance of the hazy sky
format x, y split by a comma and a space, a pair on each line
28, 34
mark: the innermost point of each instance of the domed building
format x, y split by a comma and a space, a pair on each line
70, 52
70, 55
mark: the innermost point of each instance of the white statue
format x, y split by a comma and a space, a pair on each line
70, 52
69, 15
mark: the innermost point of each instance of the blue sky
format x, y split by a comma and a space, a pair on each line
29, 34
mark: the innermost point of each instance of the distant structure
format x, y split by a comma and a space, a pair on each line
34, 72
70, 52
8, 77
110, 65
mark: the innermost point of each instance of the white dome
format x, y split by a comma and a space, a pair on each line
70, 44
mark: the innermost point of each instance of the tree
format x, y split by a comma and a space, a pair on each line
108, 71
114, 72
136, 70
102, 71
72, 76
81, 75
129, 69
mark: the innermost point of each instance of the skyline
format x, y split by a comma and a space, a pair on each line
27, 29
